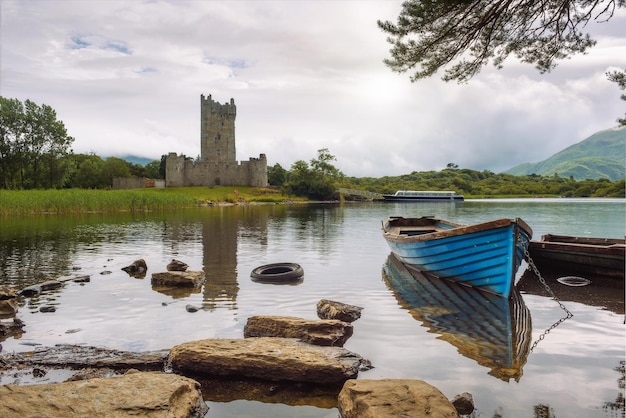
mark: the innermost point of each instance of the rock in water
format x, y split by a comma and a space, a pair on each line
268, 358
176, 265
137, 269
393, 398
328, 332
328, 309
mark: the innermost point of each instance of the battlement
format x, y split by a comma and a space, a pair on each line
208, 104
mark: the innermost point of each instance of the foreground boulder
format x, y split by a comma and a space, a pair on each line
178, 279
393, 398
324, 332
328, 309
277, 359
153, 394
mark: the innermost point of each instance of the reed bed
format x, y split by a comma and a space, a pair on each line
66, 201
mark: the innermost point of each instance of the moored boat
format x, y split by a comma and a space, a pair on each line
485, 255
580, 255
493, 331
423, 196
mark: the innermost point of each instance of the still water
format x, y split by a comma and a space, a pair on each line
574, 370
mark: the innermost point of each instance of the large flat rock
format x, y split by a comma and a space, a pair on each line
267, 358
330, 332
393, 398
78, 357
152, 394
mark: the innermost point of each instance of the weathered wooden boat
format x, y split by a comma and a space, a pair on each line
493, 331
580, 255
485, 255
423, 196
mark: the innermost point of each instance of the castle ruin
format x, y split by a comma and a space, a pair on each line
217, 165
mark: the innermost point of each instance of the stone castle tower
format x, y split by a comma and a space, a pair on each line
218, 162
217, 131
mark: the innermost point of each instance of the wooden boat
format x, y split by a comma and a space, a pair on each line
423, 196
485, 255
580, 255
493, 331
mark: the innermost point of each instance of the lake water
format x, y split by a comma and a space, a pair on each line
574, 370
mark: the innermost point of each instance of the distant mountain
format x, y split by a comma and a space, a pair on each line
133, 159
602, 155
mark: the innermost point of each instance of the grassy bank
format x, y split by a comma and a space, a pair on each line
64, 201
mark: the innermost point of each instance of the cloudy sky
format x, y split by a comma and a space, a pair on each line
126, 78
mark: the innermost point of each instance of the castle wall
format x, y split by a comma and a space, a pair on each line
120, 183
186, 172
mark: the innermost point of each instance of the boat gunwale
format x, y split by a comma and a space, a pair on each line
389, 230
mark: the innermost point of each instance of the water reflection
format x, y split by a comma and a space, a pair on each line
493, 331
603, 292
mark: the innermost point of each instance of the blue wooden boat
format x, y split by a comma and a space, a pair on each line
485, 255
493, 331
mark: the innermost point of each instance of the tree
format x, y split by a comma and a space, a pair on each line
88, 174
619, 77
34, 146
323, 167
276, 175
153, 170
317, 181
114, 167
462, 36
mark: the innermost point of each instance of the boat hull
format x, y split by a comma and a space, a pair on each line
493, 331
423, 196
485, 256
580, 255
394, 198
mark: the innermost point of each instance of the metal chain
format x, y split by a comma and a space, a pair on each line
568, 314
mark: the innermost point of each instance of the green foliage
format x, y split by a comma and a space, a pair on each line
88, 172
602, 155
619, 77
276, 175
463, 36
485, 183
33, 146
317, 181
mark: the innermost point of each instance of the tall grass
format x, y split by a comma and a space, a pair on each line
24, 202
65, 201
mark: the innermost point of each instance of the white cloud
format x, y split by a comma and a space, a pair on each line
125, 78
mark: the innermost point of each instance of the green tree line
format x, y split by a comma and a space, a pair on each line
474, 183
36, 153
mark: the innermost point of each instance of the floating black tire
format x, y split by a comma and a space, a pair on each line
278, 272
